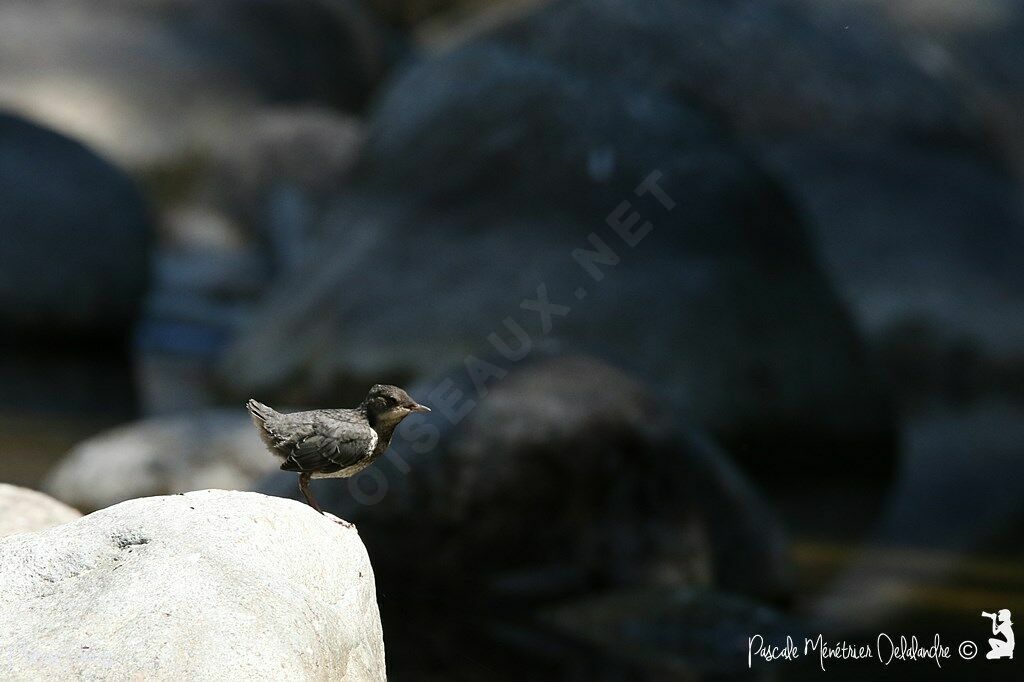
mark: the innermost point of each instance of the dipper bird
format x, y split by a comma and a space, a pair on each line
333, 443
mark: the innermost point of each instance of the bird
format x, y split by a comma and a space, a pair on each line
333, 443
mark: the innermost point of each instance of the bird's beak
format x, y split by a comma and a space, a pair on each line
416, 407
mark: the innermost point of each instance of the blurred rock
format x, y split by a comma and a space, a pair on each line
25, 511
962, 485
74, 269
977, 44
567, 476
225, 110
897, 168
955, 516
830, 73
76, 234
487, 178
277, 175
268, 178
213, 584
247, 214
153, 84
434, 22
408, 13
686, 633
920, 240
162, 455
86, 385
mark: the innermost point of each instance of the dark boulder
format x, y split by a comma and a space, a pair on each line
495, 176
894, 153
76, 236
764, 68
678, 633
920, 225
922, 241
563, 476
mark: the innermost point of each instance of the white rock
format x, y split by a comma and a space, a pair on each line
23, 510
212, 585
162, 455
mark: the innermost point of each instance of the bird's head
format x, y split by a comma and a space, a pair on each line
387, 405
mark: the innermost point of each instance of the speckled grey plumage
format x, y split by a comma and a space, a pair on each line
323, 442
333, 443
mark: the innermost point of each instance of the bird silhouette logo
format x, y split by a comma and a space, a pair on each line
1001, 625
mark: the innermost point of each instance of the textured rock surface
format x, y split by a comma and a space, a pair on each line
208, 585
23, 510
162, 455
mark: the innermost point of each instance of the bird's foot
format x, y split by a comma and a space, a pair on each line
344, 523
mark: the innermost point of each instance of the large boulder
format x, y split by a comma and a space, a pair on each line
920, 240
839, 69
208, 585
496, 178
153, 83
563, 475
978, 45
162, 455
74, 269
24, 511
896, 166
76, 233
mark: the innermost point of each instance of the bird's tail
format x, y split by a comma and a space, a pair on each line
261, 414
259, 411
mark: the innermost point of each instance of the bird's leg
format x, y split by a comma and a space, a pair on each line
310, 500
306, 492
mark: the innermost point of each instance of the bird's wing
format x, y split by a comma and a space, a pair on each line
328, 444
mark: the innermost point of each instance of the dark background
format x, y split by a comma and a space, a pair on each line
783, 393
